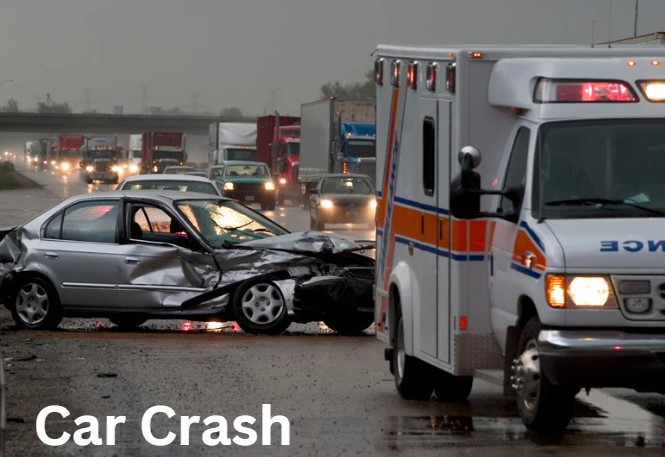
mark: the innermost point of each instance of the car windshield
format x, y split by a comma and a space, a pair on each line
342, 185
247, 170
182, 186
221, 222
293, 149
100, 154
608, 168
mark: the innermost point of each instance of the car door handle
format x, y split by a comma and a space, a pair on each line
132, 260
50, 255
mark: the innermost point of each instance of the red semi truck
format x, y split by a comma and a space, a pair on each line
67, 152
162, 149
278, 145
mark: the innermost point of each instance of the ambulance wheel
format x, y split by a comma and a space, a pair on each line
543, 406
453, 388
414, 378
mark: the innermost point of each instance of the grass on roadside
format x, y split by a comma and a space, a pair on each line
10, 179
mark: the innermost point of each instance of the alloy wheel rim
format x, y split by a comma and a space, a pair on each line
401, 352
32, 303
527, 376
262, 304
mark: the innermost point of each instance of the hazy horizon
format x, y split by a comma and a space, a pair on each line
259, 56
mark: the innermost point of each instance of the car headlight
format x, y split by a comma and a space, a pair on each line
270, 185
89, 168
64, 166
326, 204
155, 168
228, 186
133, 168
372, 203
569, 291
116, 169
282, 181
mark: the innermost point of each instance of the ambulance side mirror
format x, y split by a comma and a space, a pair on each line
465, 188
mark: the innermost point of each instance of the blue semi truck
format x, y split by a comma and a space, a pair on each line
336, 136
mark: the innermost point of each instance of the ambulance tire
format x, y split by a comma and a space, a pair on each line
543, 406
452, 388
414, 379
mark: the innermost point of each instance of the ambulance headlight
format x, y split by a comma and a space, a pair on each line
589, 291
569, 291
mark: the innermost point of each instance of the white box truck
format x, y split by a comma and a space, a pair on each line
231, 141
336, 136
542, 263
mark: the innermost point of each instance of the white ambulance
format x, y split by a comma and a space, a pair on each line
545, 259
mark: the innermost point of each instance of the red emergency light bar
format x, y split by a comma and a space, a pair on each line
583, 91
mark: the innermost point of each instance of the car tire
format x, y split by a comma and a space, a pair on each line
280, 198
349, 324
414, 379
35, 304
259, 307
543, 406
127, 322
448, 387
268, 205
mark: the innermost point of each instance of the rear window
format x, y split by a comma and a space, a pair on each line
181, 186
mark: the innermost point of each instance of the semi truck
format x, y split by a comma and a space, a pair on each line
278, 145
162, 149
68, 152
231, 141
100, 161
520, 220
336, 136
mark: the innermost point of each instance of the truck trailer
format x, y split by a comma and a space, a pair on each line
231, 141
278, 145
520, 220
336, 136
162, 149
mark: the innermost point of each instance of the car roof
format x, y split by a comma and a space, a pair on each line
165, 177
243, 162
164, 196
345, 175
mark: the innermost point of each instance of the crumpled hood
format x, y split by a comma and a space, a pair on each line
309, 241
611, 244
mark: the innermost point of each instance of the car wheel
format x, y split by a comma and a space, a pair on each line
88, 180
35, 304
280, 198
414, 378
259, 307
127, 322
270, 205
541, 405
448, 387
349, 324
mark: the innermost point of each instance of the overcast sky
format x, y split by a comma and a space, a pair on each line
259, 55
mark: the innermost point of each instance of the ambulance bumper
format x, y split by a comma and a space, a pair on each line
603, 358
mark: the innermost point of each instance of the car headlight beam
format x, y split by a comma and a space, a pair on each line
589, 291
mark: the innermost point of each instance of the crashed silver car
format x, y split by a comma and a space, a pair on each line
138, 255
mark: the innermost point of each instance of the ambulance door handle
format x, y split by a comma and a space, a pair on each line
410, 247
528, 259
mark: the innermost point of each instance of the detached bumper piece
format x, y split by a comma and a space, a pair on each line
603, 359
351, 291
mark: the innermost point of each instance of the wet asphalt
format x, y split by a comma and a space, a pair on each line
336, 391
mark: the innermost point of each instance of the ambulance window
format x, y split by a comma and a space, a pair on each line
516, 172
429, 147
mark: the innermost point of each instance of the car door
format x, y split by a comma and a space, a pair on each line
79, 252
162, 263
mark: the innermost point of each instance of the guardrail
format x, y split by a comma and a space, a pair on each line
3, 417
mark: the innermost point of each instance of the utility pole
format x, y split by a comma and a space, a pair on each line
86, 95
195, 99
144, 98
637, 9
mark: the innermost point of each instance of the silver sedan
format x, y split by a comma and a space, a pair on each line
135, 255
